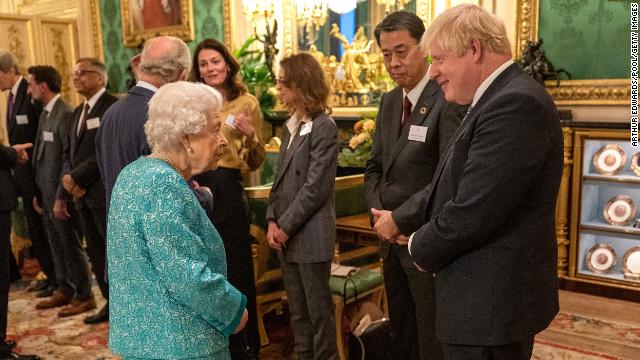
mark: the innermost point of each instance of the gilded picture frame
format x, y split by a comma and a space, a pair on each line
142, 20
570, 92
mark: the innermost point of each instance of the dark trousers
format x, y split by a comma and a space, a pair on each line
5, 252
412, 308
39, 241
70, 259
231, 218
311, 309
94, 223
520, 350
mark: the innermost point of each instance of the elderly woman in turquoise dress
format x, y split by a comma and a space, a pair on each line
170, 298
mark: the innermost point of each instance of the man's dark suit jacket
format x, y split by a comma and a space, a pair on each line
120, 138
400, 168
24, 133
48, 164
490, 232
8, 195
82, 153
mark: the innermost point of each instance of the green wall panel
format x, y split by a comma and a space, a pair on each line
207, 18
588, 38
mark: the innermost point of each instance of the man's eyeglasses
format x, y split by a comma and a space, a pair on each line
399, 54
79, 73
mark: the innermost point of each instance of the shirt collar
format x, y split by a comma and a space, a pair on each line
95, 97
146, 85
14, 88
414, 94
293, 123
488, 81
51, 103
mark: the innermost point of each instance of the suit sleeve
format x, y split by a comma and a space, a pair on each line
271, 214
8, 157
374, 167
318, 187
180, 258
64, 132
509, 144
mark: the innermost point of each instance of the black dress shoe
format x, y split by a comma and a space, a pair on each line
7, 344
10, 355
46, 292
39, 285
100, 316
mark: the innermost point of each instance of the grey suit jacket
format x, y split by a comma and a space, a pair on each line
302, 196
399, 167
490, 233
48, 164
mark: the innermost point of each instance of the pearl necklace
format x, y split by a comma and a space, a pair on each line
171, 163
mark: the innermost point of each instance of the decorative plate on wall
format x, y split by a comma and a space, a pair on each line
620, 210
635, 165
609, 159
631, 262
601, 258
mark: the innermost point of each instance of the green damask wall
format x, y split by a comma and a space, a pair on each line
588, 38
207, 18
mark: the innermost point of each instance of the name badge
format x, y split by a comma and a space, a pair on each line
418, 133
230, 121
22, 120
47, 136
93, 123
306, 128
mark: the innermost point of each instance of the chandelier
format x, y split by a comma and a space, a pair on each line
258, 9
312, 13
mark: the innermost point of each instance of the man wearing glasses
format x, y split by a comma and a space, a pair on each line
82, 179
414, 123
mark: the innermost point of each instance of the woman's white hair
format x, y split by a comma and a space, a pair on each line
179, 109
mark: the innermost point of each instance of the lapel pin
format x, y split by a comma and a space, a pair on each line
423, 110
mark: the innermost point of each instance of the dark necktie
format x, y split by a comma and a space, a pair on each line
406, 110
83, 118
10, 119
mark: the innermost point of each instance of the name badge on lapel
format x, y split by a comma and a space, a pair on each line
93, 123
47, 136
22, 119
230, 120
418, 133
306, 128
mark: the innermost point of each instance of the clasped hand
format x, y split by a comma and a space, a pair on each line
386, 228
276, 236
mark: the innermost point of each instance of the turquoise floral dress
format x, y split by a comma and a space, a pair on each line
169, 296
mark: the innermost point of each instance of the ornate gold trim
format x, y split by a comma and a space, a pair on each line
570, 92
96, 27
562, 206
289, 33
226, 21
590, 92
133, 38
425, 10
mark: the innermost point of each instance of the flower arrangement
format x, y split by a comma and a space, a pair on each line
359, 150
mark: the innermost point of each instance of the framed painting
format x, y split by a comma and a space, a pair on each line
578, 35
144, 19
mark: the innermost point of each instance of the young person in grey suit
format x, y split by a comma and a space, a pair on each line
414, 123
9, 157
490, 231
82, 180
72, 271
301, 212
22, 125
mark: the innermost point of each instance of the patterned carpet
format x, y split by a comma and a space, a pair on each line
42, 332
